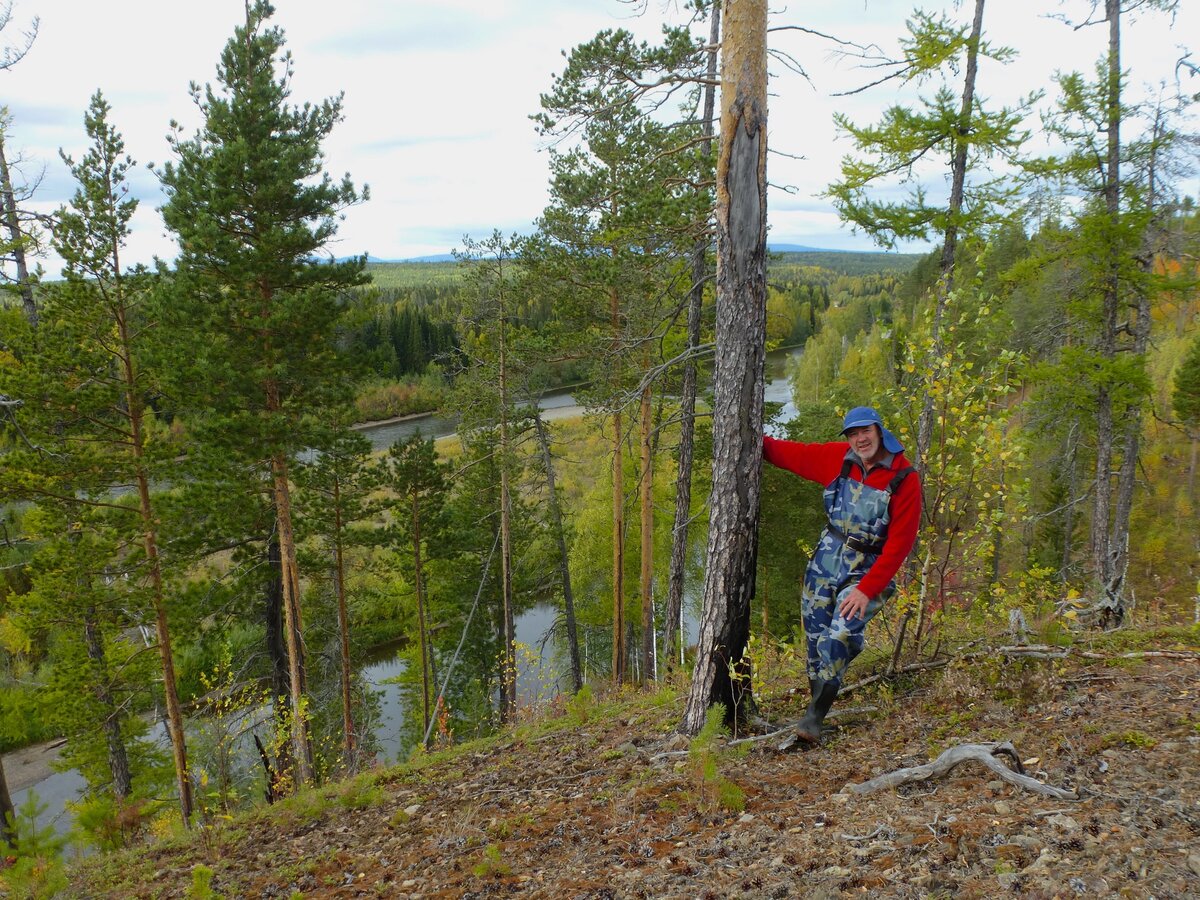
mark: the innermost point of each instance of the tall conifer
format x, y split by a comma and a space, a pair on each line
251, 207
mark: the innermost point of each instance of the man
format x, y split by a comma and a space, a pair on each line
873, 500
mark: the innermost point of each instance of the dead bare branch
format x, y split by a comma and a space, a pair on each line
955, 756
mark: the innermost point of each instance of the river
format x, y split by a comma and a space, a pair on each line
539, 674
560, 404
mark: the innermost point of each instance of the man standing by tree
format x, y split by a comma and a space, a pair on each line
873, 499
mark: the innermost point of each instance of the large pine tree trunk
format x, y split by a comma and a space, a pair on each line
17, 238
564, 559
721, 673
687, 402
276, 642
118, 757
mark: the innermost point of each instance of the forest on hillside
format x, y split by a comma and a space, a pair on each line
195, 541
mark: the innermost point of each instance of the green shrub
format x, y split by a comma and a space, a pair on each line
201, 888
492, 863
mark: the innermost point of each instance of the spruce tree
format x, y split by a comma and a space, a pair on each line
334, 500
420, 480
251, 207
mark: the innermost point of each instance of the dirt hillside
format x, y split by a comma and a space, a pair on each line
601, 800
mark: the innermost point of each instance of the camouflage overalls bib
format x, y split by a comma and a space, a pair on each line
849, 545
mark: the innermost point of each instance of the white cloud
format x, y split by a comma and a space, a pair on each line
437, 97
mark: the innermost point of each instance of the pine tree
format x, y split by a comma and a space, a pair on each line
618, 238
486, 396
419, 479
251, 207
334, 501
97, 570
102, 298
721, 670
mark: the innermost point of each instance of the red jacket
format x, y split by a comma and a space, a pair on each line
822, 463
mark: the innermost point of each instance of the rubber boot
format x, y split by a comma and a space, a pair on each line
809, 729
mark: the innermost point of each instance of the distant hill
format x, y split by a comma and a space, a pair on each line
846, 262
440, 266
800, 248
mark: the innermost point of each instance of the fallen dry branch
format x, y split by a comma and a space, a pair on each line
981, 753
1144, 654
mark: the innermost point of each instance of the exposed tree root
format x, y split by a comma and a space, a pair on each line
981, 753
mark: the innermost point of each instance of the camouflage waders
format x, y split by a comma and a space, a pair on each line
849, 546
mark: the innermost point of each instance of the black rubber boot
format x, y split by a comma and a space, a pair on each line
809, 729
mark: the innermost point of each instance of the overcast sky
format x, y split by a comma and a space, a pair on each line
438, 95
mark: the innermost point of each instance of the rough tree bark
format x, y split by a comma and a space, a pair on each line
292, 622
687, 401
741, 221
277, 647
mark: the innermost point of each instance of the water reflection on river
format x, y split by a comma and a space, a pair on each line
560, 404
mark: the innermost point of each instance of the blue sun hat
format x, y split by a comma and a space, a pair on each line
866, 415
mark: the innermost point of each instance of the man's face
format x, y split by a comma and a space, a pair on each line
865, 441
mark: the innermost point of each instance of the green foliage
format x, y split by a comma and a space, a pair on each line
361, 793
256, 379
111, 824
969, 474
714, 790
1132, 739
387, 399
33, 841
579, 705
1185, 393
201, 887
21, 719
492, 863
909, 139
38, 870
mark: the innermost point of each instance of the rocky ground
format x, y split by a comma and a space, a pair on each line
601, 800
